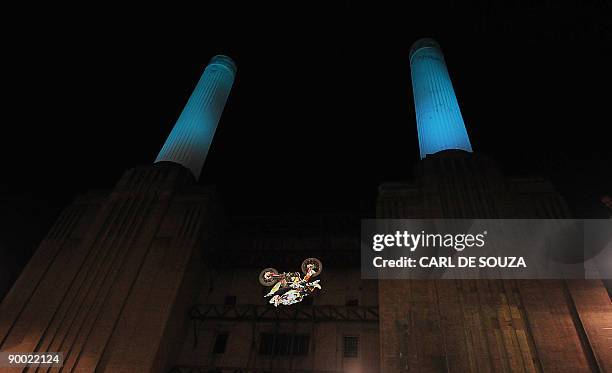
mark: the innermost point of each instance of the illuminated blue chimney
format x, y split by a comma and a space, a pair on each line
190, 139
439, 122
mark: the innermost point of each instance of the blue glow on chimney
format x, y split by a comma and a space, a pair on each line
191, 137
439, 122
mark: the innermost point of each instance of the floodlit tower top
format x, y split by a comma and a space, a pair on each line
191, 137
440, 125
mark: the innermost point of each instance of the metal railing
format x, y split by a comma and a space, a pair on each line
269, 313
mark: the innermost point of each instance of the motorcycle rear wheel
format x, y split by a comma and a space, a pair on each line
267, 282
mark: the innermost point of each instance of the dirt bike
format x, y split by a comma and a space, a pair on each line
289, 287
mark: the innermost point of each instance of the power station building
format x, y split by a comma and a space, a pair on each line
154, 276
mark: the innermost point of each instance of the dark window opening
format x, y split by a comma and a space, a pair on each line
351, 346
230, 300
283, 344
220, 343
266, 344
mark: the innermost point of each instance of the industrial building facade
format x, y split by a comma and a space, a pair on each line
155, 276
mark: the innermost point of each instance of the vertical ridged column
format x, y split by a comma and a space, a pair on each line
190, 139
439, 122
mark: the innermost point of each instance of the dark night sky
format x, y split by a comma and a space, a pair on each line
322, 108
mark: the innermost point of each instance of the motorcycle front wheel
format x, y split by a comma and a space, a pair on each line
318, 266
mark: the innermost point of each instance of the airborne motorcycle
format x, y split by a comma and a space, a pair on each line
289, 287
